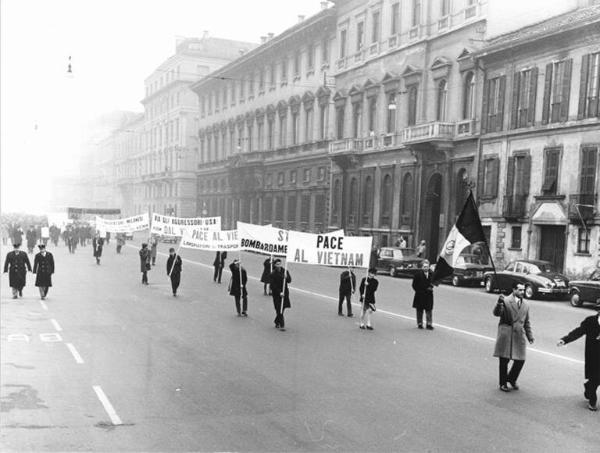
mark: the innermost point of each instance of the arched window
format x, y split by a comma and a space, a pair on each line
386, 200
462, 189
406, 209
353, 204
442, 97
367, 201
468, 91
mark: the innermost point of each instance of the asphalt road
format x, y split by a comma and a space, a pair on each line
106, 364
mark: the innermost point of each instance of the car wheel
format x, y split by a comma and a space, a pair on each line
489, 287
529, 292
392, 271
576, 300
455, 281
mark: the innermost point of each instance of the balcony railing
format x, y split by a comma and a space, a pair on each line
370, 143
585, 203
388, 140
345, 146
465, 128
428, 132
374, 49
515, 206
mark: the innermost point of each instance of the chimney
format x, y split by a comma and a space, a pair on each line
300, 18
271, 35
323, 5
205, 34
263, 39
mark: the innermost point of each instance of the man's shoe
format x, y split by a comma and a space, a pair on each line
340, 313
244, 314
369, 328
282, 329
350, 315
43, 297
239, 315
420, 326
362, 327
430, 327
513, 385
15, 297
504, 388
593, 407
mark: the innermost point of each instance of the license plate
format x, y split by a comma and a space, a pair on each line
560, 284
479, 274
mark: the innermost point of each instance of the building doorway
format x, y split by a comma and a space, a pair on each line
552, 245
432, 216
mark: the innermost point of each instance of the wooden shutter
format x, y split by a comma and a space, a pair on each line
480, 179
485, 105
494, 177
526, 174
514, 113
547, 92
566, 89
500, 114
532, 97
510, 176
583, 86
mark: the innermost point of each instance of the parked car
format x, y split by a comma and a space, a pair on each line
129, 236
585, 290
469, 269
398, 261
539, 277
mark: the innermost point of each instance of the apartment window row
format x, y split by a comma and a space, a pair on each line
168, 77
163, 104
292, 177
167, 133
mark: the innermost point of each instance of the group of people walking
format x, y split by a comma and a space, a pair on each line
17, 265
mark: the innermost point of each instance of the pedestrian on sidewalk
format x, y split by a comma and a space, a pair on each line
590, 327
43, 267
97, 246
266, 275
280, 280
219, 264
368, 286
31, 237
346, 289
153, 248
145, 264
120, 242
174, 264
513, 331
17, 264
237, 290
423, 301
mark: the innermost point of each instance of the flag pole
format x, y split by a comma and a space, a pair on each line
240, 269
284, 286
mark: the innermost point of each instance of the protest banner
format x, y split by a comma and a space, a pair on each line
45, 233
175, 226
226, 240
127, 225
262, 239
329, 249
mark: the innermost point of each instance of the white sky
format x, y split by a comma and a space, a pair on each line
114, 45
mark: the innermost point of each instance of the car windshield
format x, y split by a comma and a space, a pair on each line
541, 268
595, 275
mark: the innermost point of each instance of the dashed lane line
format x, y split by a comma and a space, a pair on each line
110, 410
43, 304
56, 325
76, 355
409, 318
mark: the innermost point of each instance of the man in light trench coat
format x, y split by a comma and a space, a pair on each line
513, 331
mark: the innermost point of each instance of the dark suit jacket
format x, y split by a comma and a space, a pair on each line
423, 299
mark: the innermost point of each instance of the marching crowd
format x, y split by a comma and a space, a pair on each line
514, 327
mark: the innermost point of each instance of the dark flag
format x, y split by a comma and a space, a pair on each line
465, 232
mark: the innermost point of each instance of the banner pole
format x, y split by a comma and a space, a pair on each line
285, 271
240, 269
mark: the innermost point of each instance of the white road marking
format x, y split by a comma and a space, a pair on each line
18, 337
110, 410
56, 325
43, 304
410, 318
50, 337
76, 355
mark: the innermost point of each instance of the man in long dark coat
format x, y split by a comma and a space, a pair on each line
31, 237
513, 330
266, 275
43, 267
280, 280
237, 289
368, 287
346, 289
219, 263
97, 246
174, 264
17, 264
590, 327
423, 301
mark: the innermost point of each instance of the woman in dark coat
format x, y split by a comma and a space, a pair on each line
423, 301
17, 264
236, 290
43, 268
279, 279
97, 245
590, 327
145, 265
266, 275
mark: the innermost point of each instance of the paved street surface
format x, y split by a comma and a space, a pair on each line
106, 364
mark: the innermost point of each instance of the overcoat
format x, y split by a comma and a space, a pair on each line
347, 282
220, 259
43, 268
591, 329
371, 287
513, 329
31, 237
144, 258
276, 280
235, 281
267, 269
19, 264
176, 267
97, 245
423, 299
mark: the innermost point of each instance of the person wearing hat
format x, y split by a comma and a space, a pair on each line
43, 267
17, 264
97, 246
174, 264
346, 289
422, 284
280, 280
31, 237
145, 264
219, 264
237, 288
368, 286
590, 327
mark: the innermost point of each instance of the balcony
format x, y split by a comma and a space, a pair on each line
465, 128
392, 41
514, 207
581, 207
345, 146
428, 132
374, 49
370, 143
389, 140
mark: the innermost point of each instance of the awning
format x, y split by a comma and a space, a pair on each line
550, 214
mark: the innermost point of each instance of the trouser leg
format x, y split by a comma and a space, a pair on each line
15, 291
515, 370
349, 304
591, 387
340, 302
145, 277
503, 370
215, 273
237, 304
419, 316
220, 273
245, 304
175, 280
429, 317
42, 291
